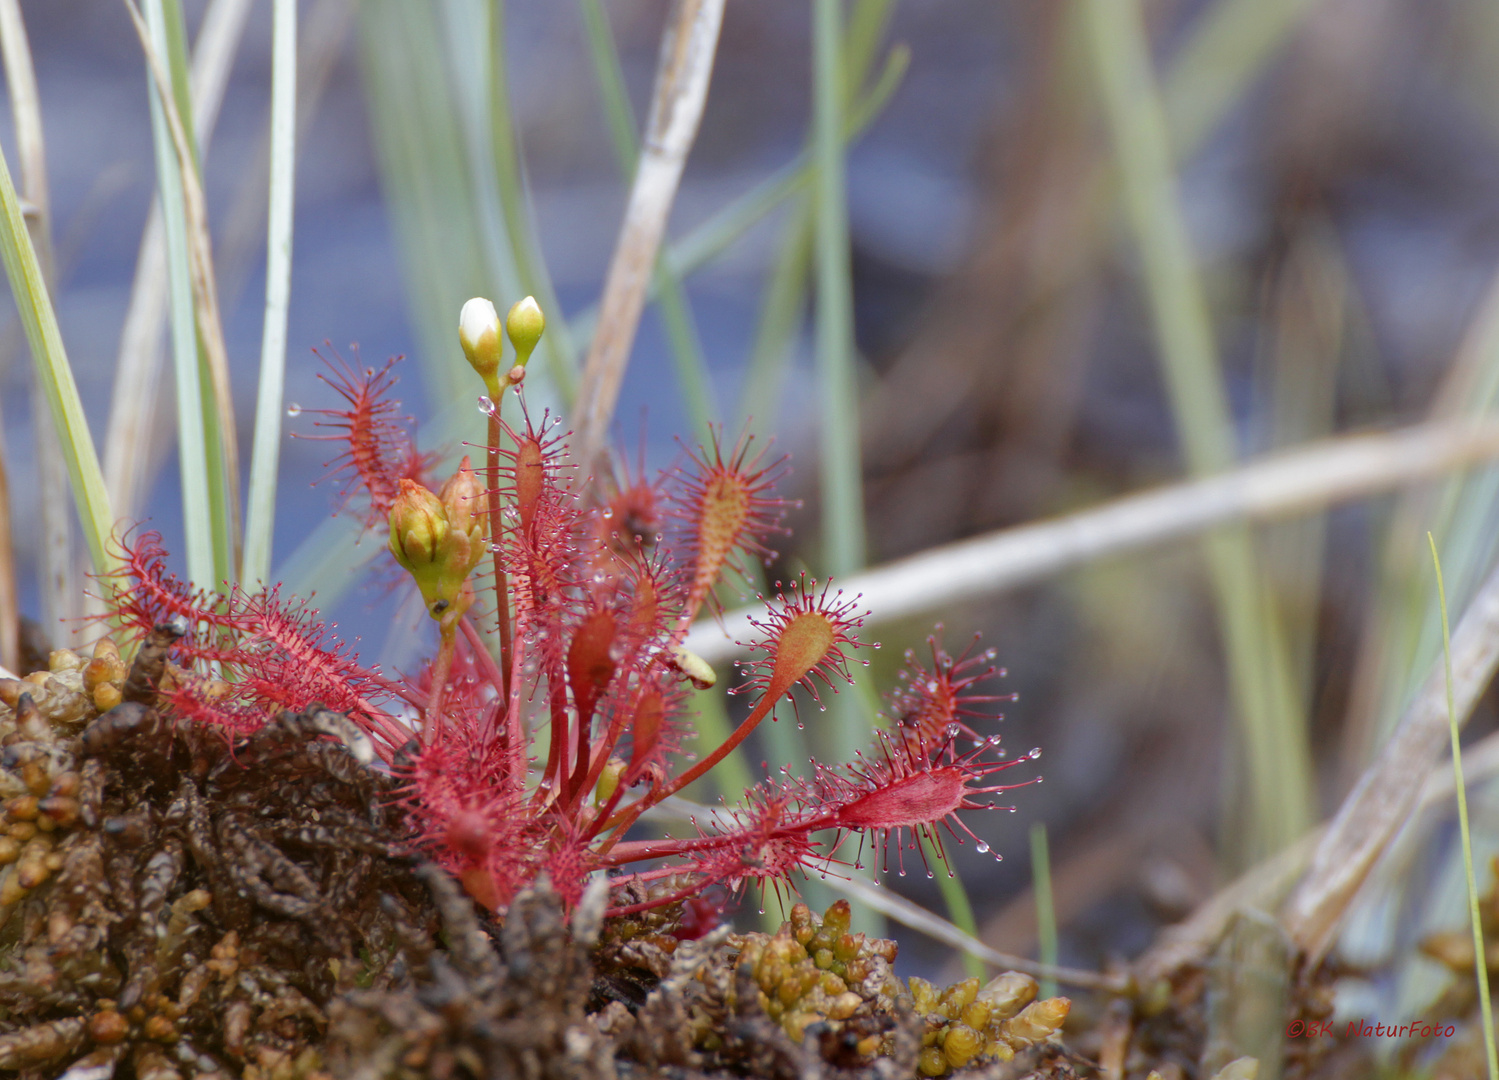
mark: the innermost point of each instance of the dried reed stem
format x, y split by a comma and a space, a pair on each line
1277, 486
205, 289
134, 439
682, 75
1387, 793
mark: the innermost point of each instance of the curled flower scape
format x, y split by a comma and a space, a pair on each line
537, 756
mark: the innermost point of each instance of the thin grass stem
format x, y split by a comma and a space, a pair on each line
260, 518
134, 438
1046, 911
1389, 790
687, 351
1270, 716
676, 313
53, 372
705, 242
959, 910
61, 595
10, 596
1480, 954
841, 476
193, 434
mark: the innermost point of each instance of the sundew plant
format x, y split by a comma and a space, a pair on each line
555, 710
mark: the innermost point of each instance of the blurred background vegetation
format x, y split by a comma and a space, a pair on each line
1085, 256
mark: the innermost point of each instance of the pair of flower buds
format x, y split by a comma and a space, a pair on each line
440, 538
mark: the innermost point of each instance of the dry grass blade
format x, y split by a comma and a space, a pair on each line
682, 76
1267, 885
1278, 486
132, 441
205, 289
1387, 793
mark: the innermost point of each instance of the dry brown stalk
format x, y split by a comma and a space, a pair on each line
1277, 486
129, 453
1265, 886
1387, 793
682, 75
200, 258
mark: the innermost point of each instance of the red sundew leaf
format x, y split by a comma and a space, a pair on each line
380, 449
935, 704
275, 652
469, 815
568, 863
645, 734
655, 723
536, 458
591, 661
765, 841
804, 639
155, 595
725, 505
905, 791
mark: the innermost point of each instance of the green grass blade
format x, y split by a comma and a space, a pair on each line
1480, 954
676, 313
781, 313
782, 308
174, 54
1271, 718
1046, 911
54, 373
618, 115
192, 435
959, 908
841, 479
170, 47
260, 518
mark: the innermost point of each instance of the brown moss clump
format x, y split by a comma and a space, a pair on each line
174, 904
177, 905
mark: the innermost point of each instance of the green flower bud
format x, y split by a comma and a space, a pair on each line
467, 509
418, 525
524, 326
479, 333
439, 539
